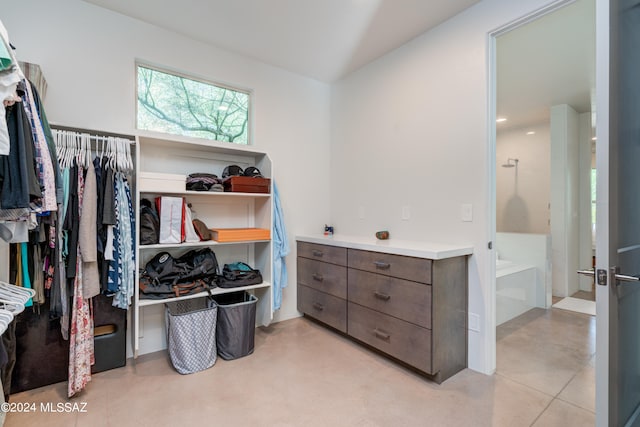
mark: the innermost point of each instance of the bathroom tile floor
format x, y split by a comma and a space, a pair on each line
302, 374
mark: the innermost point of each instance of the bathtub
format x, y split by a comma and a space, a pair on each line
523, 273
516, 289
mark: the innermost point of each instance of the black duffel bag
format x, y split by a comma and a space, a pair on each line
165, 276
238, 274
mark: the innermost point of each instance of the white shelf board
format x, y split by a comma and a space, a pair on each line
202, 244
164, 140
214, 291
207, 193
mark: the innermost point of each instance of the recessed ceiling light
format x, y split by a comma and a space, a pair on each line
531, 132
594, 138
501, 119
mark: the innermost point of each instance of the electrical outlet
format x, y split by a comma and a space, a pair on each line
361, 212
474, 322
406, 213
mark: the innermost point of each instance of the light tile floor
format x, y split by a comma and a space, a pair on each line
301, 374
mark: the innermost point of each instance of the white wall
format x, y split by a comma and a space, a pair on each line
565, 186
522, 193
87, 55
585, 231
411, 129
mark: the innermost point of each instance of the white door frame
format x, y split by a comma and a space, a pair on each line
491, 162
602, 210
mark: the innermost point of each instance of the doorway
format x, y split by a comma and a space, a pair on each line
545, 80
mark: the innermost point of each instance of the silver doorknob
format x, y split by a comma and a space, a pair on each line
625, 278
619, 277
591, 273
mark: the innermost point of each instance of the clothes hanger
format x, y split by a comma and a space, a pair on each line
8, 295
70, 150
129, 158
101, 146
112, 156
59, 147
126, 156
125, 160
12, 307
5, 318
19, 290
87, 151
62, 139
118, 154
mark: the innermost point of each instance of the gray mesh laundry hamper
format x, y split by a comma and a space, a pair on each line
191, 334
235, 336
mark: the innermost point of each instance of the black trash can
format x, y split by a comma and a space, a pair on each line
235, 333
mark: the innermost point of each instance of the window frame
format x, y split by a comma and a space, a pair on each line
204, 80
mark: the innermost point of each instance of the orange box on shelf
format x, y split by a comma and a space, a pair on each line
240, 234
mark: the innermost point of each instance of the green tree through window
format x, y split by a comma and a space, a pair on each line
179, 105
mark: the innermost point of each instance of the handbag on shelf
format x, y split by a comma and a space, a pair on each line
165, 276
238, 274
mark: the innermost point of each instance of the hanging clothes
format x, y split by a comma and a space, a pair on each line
280, 250
81, 350
46, 174
50, 142
19, 181
125, 225
24, 262
9, 78
87, 233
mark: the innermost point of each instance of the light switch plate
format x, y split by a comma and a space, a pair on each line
474, 322
466, 212
406, 213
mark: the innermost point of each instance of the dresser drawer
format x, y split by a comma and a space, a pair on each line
329, 278
332, 254
400, 339
323, 307
404, 267
399, 298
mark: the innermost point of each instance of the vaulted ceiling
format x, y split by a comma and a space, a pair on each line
544, 63
322, 39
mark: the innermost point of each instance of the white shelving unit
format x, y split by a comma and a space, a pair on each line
162, 153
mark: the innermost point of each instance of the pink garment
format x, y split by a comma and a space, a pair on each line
81, 351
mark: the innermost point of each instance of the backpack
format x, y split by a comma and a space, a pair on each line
165, 276
199, 264
149, 223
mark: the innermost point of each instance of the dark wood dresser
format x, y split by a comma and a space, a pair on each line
411, 308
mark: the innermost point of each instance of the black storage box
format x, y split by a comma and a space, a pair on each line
235, 333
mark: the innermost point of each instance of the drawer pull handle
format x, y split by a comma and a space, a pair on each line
383, 297
318, 277
317, 253
382, 265
318, 306
382, 335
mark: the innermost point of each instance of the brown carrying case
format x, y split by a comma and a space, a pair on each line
247, 184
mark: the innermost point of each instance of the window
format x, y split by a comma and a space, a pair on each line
180, 105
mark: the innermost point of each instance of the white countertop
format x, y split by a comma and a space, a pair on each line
392, 246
